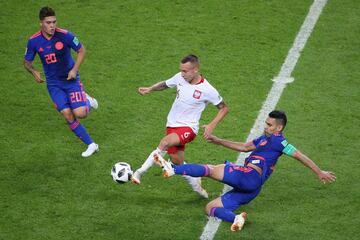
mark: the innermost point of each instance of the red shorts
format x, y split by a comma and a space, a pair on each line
186, 134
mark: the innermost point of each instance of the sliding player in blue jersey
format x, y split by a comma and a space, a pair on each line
246, 180
53, 45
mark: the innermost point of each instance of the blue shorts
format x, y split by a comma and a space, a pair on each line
67, 95
233, 199
246, 182
241, 178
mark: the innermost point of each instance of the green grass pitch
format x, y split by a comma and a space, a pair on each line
47, 191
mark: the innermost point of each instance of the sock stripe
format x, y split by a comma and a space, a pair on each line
212, 212
207, 170
74, 124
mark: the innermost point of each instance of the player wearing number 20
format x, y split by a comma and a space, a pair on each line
53, 45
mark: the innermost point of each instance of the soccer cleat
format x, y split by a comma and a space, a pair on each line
195, 183
167, 168
202, 192
92, 148
135, 178
198, 188
239, 222
93, 102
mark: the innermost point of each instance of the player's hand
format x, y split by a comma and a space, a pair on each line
144, 90
208, 129
326, 176
212, 139
37, 77
72, 74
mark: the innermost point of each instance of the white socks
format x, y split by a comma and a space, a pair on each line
150, 161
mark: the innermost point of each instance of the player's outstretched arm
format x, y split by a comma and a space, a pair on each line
237, 146
29, 67
324, 176
79, 59
209, 128
156, 87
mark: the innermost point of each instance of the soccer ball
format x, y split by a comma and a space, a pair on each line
121, 172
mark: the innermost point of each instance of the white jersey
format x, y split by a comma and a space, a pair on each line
190, 102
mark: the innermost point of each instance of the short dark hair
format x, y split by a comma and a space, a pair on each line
46, 12
192, 59
280, 117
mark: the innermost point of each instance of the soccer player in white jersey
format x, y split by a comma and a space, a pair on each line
194, 92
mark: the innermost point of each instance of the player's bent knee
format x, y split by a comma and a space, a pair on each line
164, 144
68, 115
216, 203
81, 114
208, 208
176, 159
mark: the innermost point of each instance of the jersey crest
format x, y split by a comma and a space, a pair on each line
197, 94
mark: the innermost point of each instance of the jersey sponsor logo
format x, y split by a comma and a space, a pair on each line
59, 45
197, 94
41, 50
76, 41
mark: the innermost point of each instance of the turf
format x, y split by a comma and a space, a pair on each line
49, 192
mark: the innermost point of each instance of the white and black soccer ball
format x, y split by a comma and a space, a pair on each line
121, 172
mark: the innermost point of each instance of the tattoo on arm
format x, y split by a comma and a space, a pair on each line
159, 86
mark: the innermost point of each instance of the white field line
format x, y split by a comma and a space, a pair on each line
274, 95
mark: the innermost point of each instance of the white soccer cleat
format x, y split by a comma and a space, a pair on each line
202, 192
198, 188
195, 183
135, 178
167, 168
93, 102
239, 222
92, 148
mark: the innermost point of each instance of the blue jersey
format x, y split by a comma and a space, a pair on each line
267, 152
55, 54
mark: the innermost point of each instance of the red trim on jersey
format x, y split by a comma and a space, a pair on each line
257, 157
61, 30
201, 80
35, 35
240, 168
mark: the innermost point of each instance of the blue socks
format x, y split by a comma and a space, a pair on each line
194, 170
223, 214
80, 131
